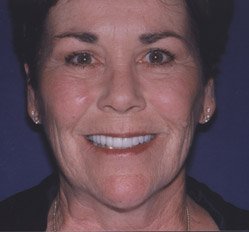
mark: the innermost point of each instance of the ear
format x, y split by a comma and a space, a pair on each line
209, 102
32, 101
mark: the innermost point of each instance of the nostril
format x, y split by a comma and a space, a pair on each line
122, 109
122, 101
122, 92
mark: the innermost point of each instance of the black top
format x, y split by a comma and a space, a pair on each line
28, 210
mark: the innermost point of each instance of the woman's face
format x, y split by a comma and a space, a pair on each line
120, 95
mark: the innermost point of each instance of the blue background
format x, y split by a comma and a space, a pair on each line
220, 154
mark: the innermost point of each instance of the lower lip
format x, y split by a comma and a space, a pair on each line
136, 150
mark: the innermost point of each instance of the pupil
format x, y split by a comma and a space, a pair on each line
84, 58
156, 57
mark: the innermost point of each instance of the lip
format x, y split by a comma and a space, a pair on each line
136, 150
123, 135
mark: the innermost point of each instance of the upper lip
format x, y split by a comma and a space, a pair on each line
123, 135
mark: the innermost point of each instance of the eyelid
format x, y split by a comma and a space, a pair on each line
164, 51
74, 54
68, 58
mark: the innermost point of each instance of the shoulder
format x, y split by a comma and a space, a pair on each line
226, 215
27, 210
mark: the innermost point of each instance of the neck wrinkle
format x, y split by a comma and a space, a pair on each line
165, 210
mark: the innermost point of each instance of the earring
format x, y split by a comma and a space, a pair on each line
207, 116
35, 118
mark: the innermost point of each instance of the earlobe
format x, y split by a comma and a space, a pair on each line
32, 105
206, 116
209, 103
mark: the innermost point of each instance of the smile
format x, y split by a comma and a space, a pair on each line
119, 142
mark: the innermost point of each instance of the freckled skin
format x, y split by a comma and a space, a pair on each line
119, 94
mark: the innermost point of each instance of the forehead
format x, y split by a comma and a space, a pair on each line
135, 15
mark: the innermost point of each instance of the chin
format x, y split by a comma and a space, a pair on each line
125, 192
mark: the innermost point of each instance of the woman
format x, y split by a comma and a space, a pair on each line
119, 88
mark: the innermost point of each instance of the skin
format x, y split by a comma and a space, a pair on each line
121, 93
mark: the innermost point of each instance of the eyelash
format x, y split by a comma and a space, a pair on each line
69, 60
164, 56
168, 57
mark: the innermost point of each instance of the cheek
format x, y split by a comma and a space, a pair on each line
64, 99
177, 101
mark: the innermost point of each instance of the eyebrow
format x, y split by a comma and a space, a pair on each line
147, 38
154, 37
83, 36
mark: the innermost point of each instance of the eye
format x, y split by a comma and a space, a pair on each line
80, 59
158, 57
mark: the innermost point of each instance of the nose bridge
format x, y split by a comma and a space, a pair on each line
122, 92
123, 81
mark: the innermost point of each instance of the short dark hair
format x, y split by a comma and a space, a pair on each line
210, 21
28, 18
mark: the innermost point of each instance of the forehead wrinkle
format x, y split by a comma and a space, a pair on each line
173, 5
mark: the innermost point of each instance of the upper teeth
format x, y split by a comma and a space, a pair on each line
118, 142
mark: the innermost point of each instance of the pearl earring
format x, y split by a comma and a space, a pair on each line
207, 116
35, 118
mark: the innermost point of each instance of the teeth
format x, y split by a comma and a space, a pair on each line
117, 142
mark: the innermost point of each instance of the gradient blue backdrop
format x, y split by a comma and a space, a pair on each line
220, 155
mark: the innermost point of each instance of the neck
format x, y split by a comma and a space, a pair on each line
165, 210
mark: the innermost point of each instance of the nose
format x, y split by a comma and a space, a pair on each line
122, 92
